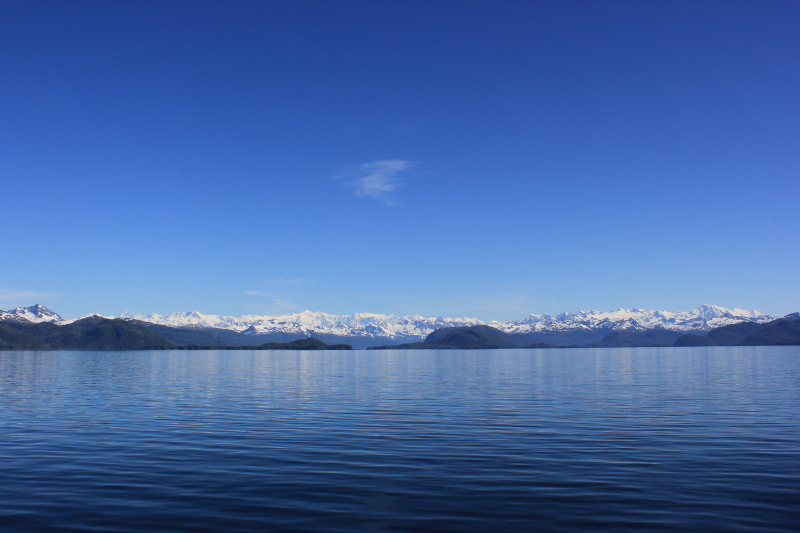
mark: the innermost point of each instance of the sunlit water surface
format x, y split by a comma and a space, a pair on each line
694, 439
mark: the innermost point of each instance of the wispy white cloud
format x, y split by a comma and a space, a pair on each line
283, 304
377, 179
6, 296
256, 293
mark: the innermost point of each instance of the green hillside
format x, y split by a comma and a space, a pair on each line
650, 337
783, 331
779, 332
471, 337
723, 336
13, 339
91, 333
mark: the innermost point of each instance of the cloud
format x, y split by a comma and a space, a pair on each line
283, 304
27, 295
256, 293
378, 179
271, 303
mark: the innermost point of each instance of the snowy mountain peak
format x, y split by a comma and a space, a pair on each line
710, 312
33, 313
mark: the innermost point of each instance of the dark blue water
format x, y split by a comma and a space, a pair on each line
501, 440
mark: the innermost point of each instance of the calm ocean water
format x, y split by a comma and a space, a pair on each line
665, 439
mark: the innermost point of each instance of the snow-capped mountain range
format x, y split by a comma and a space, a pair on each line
703, 318
310, 323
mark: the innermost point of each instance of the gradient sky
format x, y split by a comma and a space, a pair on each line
482, 159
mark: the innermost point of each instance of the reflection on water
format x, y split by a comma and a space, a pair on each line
558, 440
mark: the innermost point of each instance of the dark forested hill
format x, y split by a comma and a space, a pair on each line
723, 336
13, 339
98, 333
304, 344
205, 336
108, 334
471, 337
91, 333
624, 338
784, 331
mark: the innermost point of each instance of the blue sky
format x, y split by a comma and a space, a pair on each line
481, 159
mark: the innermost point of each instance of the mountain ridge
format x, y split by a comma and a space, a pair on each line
99, 333
37, 327
580, 327
704, 318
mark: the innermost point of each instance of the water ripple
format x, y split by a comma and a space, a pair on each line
553, 440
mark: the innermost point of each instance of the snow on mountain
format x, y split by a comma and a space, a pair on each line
309, 322
34, 313
705, 317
